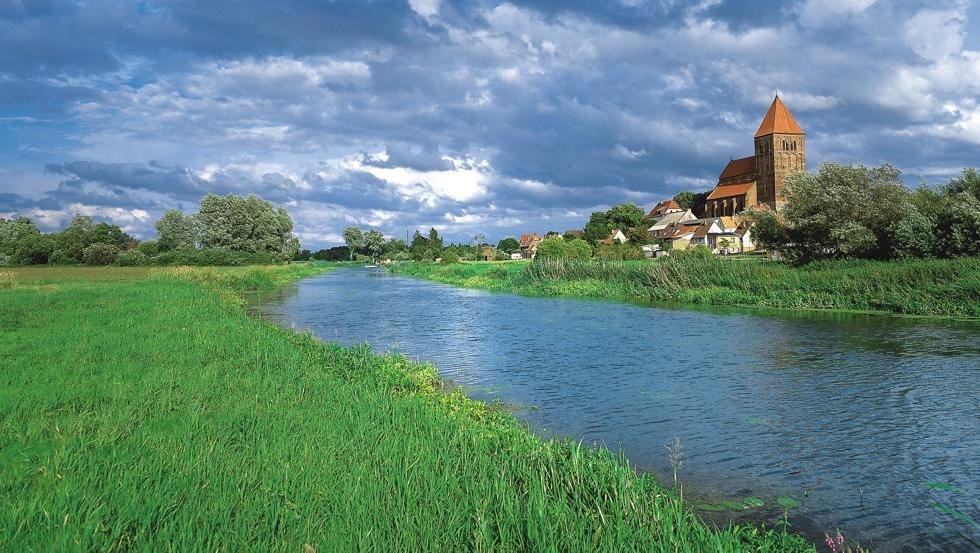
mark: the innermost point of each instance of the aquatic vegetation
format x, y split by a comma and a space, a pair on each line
150, 413
948, 288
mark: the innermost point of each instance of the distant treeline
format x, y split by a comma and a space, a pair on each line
227, 230
846, 211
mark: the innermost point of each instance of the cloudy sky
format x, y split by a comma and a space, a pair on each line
472, 116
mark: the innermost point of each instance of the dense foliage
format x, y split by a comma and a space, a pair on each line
847, 211
230, 230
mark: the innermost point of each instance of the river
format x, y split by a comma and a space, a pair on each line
870, 422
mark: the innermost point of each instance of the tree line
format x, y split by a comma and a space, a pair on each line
226, 230
853, 211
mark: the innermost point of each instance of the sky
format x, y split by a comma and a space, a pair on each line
473, 117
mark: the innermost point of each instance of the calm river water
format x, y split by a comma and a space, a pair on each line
870, 422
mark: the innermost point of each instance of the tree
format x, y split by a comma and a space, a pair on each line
695, 201
578, 249
598, 227
246, 224
640, 236
553, 246
449, 255
767, 231
958, 226
912, 235
354, 238
968, 181
72, 241
435, 244
509, 245
374, 243
394, 247
176, 231
419, 247
13, 233
100, 254
842, 211
624, 216
33, 249
107, 233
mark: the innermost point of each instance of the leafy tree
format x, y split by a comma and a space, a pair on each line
419, 247
336, 253
33, 249
640, 235
72, 241
246, 224
354, 238
435, 244
842, 211
100, 254
685, 199
598, 227
394, 247
176, 231
958, 226
578, 249
553, 246
509, 245
624, 216
12, 232
911, 235
968, 181
107, 233
374, 243
450, 255
767, 230
149, 247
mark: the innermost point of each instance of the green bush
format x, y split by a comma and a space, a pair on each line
449, 255
578, 249
131, 258
100, 254
211, 257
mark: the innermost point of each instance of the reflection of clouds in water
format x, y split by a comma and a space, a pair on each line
790, 403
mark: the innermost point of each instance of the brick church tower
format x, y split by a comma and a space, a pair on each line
780, 149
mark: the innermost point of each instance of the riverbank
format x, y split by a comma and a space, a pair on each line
936, 288
145, 410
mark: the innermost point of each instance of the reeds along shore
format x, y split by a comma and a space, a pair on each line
148, 412
929, 287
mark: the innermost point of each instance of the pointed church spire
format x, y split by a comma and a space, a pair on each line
778, 120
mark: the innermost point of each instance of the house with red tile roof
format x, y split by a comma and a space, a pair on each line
663, 208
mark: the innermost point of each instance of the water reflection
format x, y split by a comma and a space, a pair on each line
851, 413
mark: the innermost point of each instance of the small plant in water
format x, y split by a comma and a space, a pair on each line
675, 454
836, 544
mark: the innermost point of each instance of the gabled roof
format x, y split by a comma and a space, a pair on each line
666, 206
529, 239
778, 120
730, 190
672, 218
739, 167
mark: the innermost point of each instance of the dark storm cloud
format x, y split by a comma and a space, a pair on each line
470, 116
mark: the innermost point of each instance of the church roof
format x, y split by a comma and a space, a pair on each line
778, 120
738, 167
730, 190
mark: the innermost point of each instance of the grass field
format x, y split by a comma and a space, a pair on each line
146, 411
941, 288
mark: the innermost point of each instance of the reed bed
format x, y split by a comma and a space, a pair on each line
151, 414
930, 287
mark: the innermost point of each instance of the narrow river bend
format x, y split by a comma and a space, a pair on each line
871, 420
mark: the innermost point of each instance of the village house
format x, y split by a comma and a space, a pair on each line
615, 236
672, 218
757, 180
529, 245
663, 208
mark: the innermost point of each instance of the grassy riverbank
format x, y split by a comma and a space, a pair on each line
145, 410
943, 288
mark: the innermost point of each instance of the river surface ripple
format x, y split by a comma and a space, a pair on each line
870, 421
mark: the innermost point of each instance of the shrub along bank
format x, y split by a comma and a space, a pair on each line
148, 412
933, 287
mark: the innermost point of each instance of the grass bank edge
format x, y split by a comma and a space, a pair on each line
554, 490
947, 289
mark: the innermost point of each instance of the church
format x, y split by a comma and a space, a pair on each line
757, 181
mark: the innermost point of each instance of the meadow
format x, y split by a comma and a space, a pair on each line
926, 287
142, 409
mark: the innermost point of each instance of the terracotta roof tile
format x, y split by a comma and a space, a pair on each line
778, 120
730, 190
662, 208
739, 167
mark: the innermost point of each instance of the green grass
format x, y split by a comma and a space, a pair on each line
940, 288
151, 414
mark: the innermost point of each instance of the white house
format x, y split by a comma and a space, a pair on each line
672, 218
